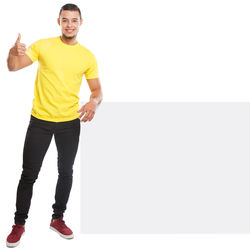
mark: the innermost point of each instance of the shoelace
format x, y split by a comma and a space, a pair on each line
15, 229
61, 223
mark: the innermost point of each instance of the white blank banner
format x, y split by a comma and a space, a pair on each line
166, 168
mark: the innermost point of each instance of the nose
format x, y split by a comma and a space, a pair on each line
69, 24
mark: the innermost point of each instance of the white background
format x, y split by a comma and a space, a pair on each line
147, 51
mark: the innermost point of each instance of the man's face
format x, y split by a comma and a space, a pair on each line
70, 22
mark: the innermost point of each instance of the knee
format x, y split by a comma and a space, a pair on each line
29, 176
66, 173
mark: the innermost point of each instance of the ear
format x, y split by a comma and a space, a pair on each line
81, 20
58, 21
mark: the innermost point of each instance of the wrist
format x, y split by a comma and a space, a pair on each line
94, 100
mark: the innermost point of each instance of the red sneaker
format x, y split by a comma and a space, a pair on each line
14, 237
58, 225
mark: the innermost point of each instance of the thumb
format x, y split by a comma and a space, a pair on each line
18, 38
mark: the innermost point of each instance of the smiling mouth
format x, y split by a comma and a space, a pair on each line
69, 30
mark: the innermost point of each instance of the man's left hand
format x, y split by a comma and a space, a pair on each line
89, 110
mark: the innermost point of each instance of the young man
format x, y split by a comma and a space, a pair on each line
55, 111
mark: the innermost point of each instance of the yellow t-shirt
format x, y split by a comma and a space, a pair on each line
59, 76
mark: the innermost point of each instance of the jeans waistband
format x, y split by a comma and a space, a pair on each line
50, 122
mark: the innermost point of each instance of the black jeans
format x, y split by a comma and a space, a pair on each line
37, 141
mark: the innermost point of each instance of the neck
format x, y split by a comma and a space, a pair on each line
70, 41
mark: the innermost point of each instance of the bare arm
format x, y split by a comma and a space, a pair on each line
17, 59
96, 90
88, 109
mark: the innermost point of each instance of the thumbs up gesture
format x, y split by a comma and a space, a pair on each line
19, 48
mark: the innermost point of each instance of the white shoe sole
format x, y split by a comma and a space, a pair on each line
8, 244
71, 236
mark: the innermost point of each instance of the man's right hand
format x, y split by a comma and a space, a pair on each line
19, 48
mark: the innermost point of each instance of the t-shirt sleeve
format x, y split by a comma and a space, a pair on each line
33, 51
92, 70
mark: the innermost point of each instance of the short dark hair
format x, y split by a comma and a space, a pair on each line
70, 6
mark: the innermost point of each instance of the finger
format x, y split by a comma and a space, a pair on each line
87, 115
81, 115
83, 109
91, 117
20, 52
18, 38
22, 44
21, 49
84, 118
80, 111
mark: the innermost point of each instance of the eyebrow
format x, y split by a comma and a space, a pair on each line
72, 18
